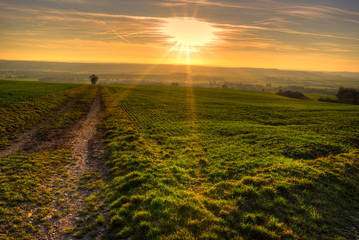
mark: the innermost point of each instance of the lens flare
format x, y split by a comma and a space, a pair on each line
188, 33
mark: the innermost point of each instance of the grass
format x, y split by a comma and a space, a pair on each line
18, 117
212, 164
80, 107
18, 91
317, 96
92, 216
24, 198
196, 163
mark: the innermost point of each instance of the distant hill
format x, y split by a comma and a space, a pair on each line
258, 79
120, 68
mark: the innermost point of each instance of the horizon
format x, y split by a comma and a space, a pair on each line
269, 34
183, 65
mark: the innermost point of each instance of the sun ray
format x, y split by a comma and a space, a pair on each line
153, 66
195, 11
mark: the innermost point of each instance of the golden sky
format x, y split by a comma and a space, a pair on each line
285, 34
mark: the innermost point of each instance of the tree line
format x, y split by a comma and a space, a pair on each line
345, 95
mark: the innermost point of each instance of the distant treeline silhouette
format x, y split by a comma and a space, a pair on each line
291, 94
345, 95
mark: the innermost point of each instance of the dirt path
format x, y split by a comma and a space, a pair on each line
27, 137
68, 215
70, 197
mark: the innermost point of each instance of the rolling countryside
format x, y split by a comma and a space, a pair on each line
165, 162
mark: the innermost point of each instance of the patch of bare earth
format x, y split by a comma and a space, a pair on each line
69, 197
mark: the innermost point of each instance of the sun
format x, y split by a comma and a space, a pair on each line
187, 33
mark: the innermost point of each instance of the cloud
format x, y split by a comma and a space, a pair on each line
171, 3
128, 25
260, 44
320, 13
282, 30
70, 24
67, 1
277, 32
274, 8
264, 5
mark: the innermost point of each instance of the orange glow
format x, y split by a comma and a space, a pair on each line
187, 33
197, 32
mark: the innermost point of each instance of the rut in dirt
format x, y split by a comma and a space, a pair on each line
28, 138
86, 144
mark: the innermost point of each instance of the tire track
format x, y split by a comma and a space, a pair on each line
70, 197
28, 137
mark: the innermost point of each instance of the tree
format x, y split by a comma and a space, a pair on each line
291, 94
348, 95
93, 78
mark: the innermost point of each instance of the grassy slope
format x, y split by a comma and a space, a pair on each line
18, 91
212, 164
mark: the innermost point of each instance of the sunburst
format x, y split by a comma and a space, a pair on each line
187, 34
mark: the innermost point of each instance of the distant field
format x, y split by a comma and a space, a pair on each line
18, 91
14, 78
317, 96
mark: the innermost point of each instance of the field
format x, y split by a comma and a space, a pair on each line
18, 91
180, 163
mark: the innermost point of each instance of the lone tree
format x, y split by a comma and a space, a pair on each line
93, 78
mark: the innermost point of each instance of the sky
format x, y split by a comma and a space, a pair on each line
320, 35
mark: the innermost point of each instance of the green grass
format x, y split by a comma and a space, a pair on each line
25, 196
18, 91
17, 117
223, 164
317, 96
80, 107
92, 215
196, 163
